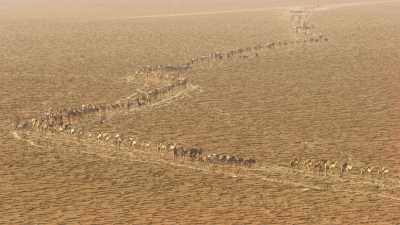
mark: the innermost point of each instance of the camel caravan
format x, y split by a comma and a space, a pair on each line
247, 52
176, 152
239, 53
325, 167
374, 171
164, 69
194, 153
329, 167
62, 119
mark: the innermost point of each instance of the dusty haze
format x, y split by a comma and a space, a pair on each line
336, 99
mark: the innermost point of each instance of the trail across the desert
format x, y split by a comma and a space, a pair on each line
319, 8
18, 137
204, 13
265, 175
351, 4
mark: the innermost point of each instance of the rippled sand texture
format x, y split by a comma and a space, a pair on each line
338, 100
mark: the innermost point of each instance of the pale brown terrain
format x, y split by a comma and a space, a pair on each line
336, 100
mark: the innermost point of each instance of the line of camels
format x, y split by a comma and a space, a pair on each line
331, 167
240, 53
62, 119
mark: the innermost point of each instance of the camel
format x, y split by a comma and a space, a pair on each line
44, 126
325, 165
80, 133
171, 147
195, 153
240, 161
320, 166
161, 147
271, 45
328, 166
367, 170
233, 160
72, 131
221, 158
346, 167
331, 165
107, 137
371, 170
146, 146
211, 158
34, 122
249, 162
103, 137
132, 142
118, 140
60, 129
179, 151
294, 163
176, 153
363, 170
99, 137
383, 171
203, 159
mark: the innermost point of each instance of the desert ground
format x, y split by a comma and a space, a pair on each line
239, 80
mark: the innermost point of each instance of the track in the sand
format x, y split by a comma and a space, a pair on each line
269, 173
162, 102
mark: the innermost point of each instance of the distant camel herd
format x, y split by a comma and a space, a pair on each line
61, 119
164, 68
328, 167
241, 53
177, 151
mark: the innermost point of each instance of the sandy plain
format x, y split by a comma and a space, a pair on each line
337, 100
